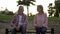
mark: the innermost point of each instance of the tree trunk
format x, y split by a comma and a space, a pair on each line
28, 10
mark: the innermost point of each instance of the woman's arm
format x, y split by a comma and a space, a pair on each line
35, 21
46, 21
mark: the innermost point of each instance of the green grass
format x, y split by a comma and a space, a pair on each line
30, 18
54, 18
5, 17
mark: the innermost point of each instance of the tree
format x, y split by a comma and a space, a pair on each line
30, 14
50, 10
6, 12
26, 3
55, 12
2, 12
57, 5
10, 13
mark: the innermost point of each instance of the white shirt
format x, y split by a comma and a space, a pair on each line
20, 22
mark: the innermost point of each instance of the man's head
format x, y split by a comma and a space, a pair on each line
20, 10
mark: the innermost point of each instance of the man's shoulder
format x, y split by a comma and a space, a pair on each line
25, 15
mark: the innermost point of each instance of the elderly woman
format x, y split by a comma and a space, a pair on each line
19, 22
40, 21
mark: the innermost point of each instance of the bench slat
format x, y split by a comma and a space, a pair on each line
33, 31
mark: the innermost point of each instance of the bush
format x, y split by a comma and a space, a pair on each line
10, 13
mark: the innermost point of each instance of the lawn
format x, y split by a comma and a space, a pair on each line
9, 17
5, 17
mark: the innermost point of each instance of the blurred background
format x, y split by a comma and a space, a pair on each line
10, 7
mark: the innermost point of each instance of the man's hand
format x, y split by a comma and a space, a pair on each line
17, 28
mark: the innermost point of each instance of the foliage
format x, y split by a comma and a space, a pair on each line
51, 10
6, 12
26, 3
54, 10
10, 13
2, 12
57, 5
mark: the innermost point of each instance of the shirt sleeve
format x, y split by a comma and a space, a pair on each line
13, 20
26, 20
46, 21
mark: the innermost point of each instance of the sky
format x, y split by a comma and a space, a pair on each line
12, 5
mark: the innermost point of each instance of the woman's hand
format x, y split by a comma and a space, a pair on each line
35, 25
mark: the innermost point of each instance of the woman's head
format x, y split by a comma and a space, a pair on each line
20, 10
40, 8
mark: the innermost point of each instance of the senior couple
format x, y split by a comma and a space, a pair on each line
20, 21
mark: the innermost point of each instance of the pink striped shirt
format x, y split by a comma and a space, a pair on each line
41, 20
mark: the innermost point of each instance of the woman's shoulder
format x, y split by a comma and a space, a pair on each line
45, 14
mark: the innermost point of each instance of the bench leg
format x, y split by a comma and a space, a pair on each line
52, 30
6, 31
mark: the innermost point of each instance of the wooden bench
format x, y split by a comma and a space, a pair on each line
32, 31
